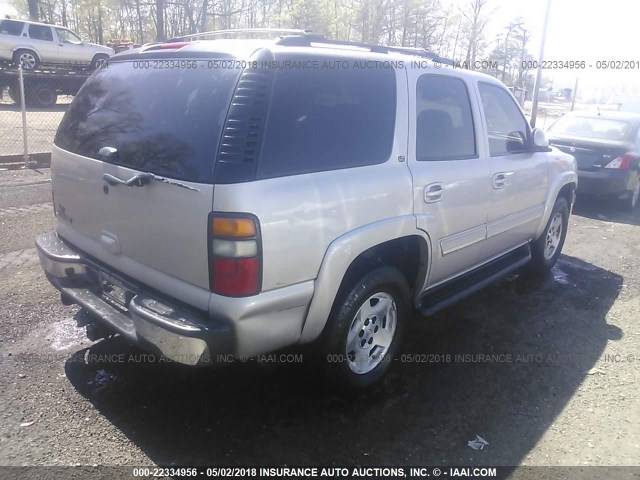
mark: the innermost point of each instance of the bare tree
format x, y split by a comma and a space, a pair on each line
477, 18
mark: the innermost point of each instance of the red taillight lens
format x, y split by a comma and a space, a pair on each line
235, 263
623, 162
235, 276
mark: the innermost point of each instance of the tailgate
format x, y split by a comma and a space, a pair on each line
159, 131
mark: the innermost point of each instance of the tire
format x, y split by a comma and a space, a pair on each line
546, 249
99, 60
27, 58
14, 94
41, 95
357, 353
630, 203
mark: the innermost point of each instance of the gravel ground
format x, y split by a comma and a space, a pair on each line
560, 389
41, 126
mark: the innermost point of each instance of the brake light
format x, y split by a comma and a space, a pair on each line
173, 45
235, 263
623, 162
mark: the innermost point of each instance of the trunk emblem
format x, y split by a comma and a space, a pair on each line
572, 149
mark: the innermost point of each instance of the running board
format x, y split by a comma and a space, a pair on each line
450, 292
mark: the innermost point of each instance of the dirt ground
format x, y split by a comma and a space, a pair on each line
545, 371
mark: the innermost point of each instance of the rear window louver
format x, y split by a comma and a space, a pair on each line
242, 134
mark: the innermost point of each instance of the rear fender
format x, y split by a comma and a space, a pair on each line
339, 256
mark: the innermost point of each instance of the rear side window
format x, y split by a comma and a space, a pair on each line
40, 32
164, 121
507, 128
11, 27
444, 123
326, 119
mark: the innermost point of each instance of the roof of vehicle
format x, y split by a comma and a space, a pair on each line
30, 22
607, 115
316, 46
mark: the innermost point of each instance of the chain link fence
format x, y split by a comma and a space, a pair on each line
32, 104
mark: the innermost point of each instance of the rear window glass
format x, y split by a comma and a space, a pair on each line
164, 121
598, 128
11, 27
326, 118
39, 32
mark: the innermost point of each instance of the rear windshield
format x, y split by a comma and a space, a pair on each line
597, 128
161, 120
11, 27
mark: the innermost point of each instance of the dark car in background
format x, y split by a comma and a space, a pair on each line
607, 149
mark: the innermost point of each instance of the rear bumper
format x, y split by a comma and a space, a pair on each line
179, 333
606, 182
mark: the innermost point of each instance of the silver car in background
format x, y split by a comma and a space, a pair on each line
32, 44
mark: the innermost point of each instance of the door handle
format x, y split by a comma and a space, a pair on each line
433, 192
500, 179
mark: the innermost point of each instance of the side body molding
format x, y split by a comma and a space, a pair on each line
339, 256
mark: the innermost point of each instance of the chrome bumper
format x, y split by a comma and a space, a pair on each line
149, 320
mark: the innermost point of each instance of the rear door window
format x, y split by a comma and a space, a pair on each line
164, 121
327, 118
11, 27
444, 123
40, 32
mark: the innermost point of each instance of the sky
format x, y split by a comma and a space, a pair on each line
588, 30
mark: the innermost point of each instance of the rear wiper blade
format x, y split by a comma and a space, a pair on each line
141, 179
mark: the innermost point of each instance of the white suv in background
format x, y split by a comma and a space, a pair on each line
31, 44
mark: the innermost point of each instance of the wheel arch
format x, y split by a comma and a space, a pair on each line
393, 242
564, 186
26, 47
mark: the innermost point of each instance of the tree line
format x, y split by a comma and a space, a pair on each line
454, 31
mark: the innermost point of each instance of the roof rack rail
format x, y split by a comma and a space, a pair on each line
308, 39
213, 33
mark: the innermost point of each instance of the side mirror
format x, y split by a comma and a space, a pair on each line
516, 142
540, 142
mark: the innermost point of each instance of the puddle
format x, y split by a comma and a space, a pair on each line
560, 276
65, 335
581, 265
102, 380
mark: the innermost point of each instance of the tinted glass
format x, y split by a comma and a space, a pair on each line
39, 32
600, 128
326, 119
508, 130
165, 121
11, 27
444, 123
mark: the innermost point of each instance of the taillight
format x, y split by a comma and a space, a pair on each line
235, 264
623, 162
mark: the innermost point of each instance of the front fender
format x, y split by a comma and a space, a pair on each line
565, 178
340, 255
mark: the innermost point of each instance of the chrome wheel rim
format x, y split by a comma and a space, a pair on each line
27, 61
101, 63
371, 333
554, 234
45, 97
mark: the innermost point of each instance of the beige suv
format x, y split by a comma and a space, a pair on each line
235, 197
31, 44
